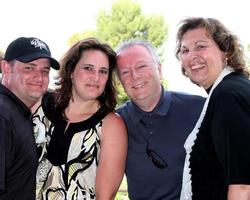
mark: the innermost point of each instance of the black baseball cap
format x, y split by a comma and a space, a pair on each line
27, 49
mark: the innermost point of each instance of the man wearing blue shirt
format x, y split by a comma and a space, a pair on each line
158, 124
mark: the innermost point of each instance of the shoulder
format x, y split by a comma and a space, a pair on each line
124, 106
123, 109
9, 109
186, 99
234, 80
49, 106
48, 99
113, 126
184, 95
5, 103
232, 94
234, 85
113, 119
6, 100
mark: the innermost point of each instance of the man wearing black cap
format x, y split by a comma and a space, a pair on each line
25, 70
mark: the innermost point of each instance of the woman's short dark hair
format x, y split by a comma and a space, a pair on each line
226, 40
67, 67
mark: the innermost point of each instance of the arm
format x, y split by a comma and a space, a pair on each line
112, 160
4, 131
231, 135
236, 192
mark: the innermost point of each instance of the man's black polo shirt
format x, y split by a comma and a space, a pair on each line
18, 157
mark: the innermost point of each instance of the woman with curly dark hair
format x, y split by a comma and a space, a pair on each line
217, 160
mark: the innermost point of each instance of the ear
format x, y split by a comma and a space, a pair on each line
159, 68
5, 67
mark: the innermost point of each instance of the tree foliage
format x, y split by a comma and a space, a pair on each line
78, 36
123, 21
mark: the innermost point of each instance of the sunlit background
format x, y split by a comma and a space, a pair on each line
55, 21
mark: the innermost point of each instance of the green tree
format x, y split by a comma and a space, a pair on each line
78, 36
125, 20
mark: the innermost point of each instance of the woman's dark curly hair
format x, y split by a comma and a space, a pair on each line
68, 63
226, 41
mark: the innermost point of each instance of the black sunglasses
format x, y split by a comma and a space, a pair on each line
157, 160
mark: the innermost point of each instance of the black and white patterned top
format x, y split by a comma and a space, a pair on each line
68, 153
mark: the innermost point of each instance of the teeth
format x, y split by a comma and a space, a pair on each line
139, 86
197, 66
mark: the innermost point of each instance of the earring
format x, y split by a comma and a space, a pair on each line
184, 72
225, 62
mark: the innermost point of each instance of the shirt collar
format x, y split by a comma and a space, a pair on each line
162, 107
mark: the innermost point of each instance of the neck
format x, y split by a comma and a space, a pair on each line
79, 111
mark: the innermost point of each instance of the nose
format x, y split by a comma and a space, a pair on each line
135, 74
39, 75
192, 53
96, 76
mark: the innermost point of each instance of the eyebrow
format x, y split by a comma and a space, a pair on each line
203, 41
35, 65
91, 65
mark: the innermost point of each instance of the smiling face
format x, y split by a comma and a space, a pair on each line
201, 57
28, 81
140, 76
90, 75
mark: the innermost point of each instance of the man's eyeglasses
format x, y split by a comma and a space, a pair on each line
157, 160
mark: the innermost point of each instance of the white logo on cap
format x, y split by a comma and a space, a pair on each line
38, 43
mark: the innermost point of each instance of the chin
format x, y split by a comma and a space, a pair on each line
36, 95
140, 97
194, 82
